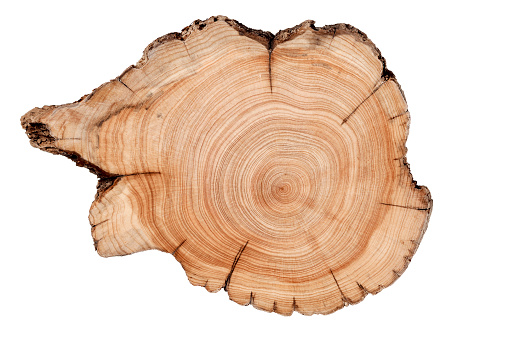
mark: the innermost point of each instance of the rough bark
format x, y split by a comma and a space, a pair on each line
272, 166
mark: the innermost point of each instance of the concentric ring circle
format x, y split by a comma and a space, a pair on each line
272, 167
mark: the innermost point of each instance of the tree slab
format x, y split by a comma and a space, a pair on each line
271, 166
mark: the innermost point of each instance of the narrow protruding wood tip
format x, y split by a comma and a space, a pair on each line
272, 166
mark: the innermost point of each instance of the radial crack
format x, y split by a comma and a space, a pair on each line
116, 112
270, 49
362, 102
102, 222
123, 83
270, 70
177, 248
399, 115
363, 289
346, 301
235, 261
140, 173
114, 177
409, 207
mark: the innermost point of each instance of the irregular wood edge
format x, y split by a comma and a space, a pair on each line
40, 136
408, 258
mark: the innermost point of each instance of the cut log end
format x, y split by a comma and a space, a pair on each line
270, 166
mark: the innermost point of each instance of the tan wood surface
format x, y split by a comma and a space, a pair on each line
271, 166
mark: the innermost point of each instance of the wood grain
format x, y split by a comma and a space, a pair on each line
271, 166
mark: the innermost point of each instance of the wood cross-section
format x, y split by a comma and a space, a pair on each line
271, 166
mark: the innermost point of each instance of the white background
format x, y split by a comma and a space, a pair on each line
450, 57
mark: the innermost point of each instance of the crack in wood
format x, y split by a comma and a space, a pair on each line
140, 173
270, 70
409, 207
345, 300
399, 115
123, 83
119, 176
177, 248
270, 49
116, 112
145, 103
235, 261
102, 222
362, 102
363, 289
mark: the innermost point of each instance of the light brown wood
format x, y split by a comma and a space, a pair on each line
271, 166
